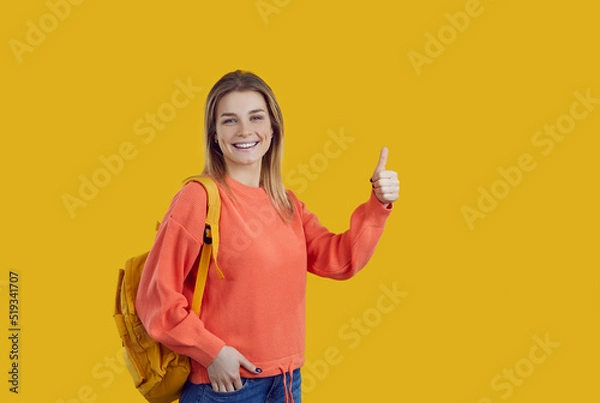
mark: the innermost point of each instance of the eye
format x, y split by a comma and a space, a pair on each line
257, 117
228, 121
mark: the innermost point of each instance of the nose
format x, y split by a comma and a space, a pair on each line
245, 129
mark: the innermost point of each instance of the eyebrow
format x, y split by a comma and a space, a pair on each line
249, 113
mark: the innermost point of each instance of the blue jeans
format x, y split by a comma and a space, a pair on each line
254, 390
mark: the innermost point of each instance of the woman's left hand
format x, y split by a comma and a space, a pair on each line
385, 183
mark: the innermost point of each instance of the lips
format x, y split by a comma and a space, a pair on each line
245, 145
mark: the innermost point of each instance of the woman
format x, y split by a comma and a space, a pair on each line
248, 343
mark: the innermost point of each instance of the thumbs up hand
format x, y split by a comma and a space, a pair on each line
386, 185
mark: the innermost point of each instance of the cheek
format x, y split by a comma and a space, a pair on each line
224, 133
267, 130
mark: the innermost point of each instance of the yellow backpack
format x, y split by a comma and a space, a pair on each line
158, 372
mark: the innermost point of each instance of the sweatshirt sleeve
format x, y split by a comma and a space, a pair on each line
161, 303
341, 256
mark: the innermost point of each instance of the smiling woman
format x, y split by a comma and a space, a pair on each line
244, 94
248, 343
244, 134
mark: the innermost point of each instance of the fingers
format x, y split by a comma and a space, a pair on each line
224, 371
387, 180
226, 386
383, 156
386, 187
385, 183
244, 362
384, 177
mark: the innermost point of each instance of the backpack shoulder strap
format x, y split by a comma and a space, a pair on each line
211, 237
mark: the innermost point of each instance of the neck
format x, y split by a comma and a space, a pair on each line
249, 176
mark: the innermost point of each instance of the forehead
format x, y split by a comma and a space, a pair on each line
241, 102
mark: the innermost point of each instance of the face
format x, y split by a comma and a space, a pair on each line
243, 129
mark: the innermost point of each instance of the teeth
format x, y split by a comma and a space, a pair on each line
245, 145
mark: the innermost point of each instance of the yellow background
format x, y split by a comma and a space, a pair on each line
476, 297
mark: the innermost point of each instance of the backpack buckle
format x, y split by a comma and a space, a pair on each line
207, 234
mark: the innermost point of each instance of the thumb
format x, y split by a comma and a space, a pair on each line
248, 365
383, 156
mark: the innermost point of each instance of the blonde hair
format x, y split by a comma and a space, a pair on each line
270, 173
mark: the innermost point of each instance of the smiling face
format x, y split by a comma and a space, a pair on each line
243, 129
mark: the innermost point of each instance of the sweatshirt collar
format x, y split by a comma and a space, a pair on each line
240, 189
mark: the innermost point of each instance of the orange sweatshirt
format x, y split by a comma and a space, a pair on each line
259, 307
